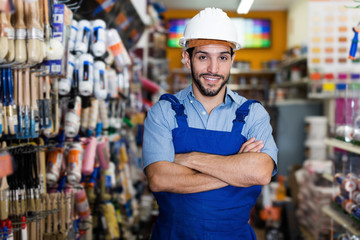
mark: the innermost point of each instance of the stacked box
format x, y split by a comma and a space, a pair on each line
313, 195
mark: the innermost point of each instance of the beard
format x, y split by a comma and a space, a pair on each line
201, 87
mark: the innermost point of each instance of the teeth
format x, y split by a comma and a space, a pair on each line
211, 79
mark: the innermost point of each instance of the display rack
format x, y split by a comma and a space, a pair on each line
334, 213
343, 145
342, 219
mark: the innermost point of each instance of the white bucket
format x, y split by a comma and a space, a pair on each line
315, 149
316, 127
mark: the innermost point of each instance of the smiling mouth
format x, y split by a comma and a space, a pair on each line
210, 77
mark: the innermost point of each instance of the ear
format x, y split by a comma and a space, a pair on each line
233, 58
186, 59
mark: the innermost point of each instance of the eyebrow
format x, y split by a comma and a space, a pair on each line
225, 52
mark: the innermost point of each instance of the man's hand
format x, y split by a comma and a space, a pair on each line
251, 146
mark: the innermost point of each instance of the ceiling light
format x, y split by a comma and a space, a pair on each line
244, 6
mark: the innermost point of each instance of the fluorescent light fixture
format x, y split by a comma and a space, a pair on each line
244, 6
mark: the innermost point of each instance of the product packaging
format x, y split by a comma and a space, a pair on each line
62, 18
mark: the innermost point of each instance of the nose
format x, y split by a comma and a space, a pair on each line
213, 66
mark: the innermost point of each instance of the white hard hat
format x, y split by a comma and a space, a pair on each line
210, 24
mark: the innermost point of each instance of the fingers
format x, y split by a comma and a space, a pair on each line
251, 146
245, 144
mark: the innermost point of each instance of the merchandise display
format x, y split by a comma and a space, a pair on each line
69, 158
77, 79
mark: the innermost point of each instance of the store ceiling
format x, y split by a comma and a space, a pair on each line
229, 5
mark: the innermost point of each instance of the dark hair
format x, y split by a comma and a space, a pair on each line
191, 50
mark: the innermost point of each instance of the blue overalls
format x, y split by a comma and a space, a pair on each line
220, 214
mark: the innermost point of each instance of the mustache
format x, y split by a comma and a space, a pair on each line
211, 75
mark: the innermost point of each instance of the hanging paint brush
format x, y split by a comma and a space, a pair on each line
11, 108
40, 102
11, 37
20, 33
47, 24
47, 106
35, 33
55, 119
4, 43
20, 102
4, 100
34, 111
27, 103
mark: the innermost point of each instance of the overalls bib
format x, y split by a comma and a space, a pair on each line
220, 214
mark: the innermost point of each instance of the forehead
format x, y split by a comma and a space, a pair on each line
213, 48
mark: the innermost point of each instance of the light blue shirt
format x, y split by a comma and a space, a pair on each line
160, 121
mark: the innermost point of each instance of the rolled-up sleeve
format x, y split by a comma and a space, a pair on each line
258, 124
157, 138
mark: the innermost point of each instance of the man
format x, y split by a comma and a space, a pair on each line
207, 150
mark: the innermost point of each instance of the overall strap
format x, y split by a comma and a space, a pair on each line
177, 107
241, 113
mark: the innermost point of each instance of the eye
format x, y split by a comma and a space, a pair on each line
202, 57
224, 58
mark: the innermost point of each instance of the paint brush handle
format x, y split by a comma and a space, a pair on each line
27, 102
41, 102
47, 106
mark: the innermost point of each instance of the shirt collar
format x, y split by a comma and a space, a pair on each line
188, 92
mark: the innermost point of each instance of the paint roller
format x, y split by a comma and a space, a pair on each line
66, 83
100, 80
83, 36
98, 43
86, 74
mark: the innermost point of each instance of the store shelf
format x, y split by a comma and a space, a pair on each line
237, 71
342, 219
292, 62
302, 83
238, 87
328, 177
343, 145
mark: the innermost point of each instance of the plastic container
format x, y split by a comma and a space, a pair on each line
280, 190
316, 127
315, 150
343, 113
98, 43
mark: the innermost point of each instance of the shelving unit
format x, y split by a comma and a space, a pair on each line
343, 145
338, 215
342, 219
